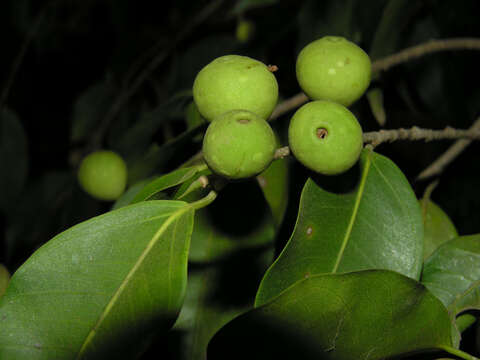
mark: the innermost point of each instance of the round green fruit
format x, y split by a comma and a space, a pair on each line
333, 68
103, 175
234, 82
325, 137
238, 144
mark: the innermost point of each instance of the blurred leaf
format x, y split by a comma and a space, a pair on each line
377, 226
129, 195
4, 279
199, 55
49, 193
166, 181
90, 108
395, 19
373, 314
319, 18
136, 139
245, 5
13, 159
274, 184
109, 281
438, 228
452, 273
215, 295
375, 99
233, 222
155, 159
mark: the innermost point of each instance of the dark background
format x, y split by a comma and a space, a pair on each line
80, 57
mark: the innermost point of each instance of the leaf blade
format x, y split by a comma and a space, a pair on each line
370, 314
77, 279
334, 233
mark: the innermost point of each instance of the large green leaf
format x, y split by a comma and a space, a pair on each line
377, 226
452, 273
438, 228
372, 314
13, 158
100, 287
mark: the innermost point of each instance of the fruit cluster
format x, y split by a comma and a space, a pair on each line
237, 94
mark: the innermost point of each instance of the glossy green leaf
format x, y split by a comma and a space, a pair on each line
13, 158
4, 279
377, 226
169, 180
89, 110
452, 273
274, 184
372, 314
438, 228
100, 287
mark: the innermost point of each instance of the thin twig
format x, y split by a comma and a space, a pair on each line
415, 133
374, 138
448, 156
430, 47
156, 61
385, 63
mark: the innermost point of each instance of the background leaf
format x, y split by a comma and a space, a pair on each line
371, 314
234, 221
13, 158
102, 286
89, 110
4, 279
216, 294
438, 228
453, 275
166, 181
377, 226
274, 184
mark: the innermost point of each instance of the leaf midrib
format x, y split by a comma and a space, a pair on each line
130, 275
353, 217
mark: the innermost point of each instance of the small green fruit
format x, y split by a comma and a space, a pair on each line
103, 175
325, 137
234, 82
333, 68
238, 144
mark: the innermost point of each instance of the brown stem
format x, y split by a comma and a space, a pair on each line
430, 47
415, 133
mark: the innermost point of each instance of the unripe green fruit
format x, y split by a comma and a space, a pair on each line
234, 82
325, 137
333, 68
103, 175
238, 144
